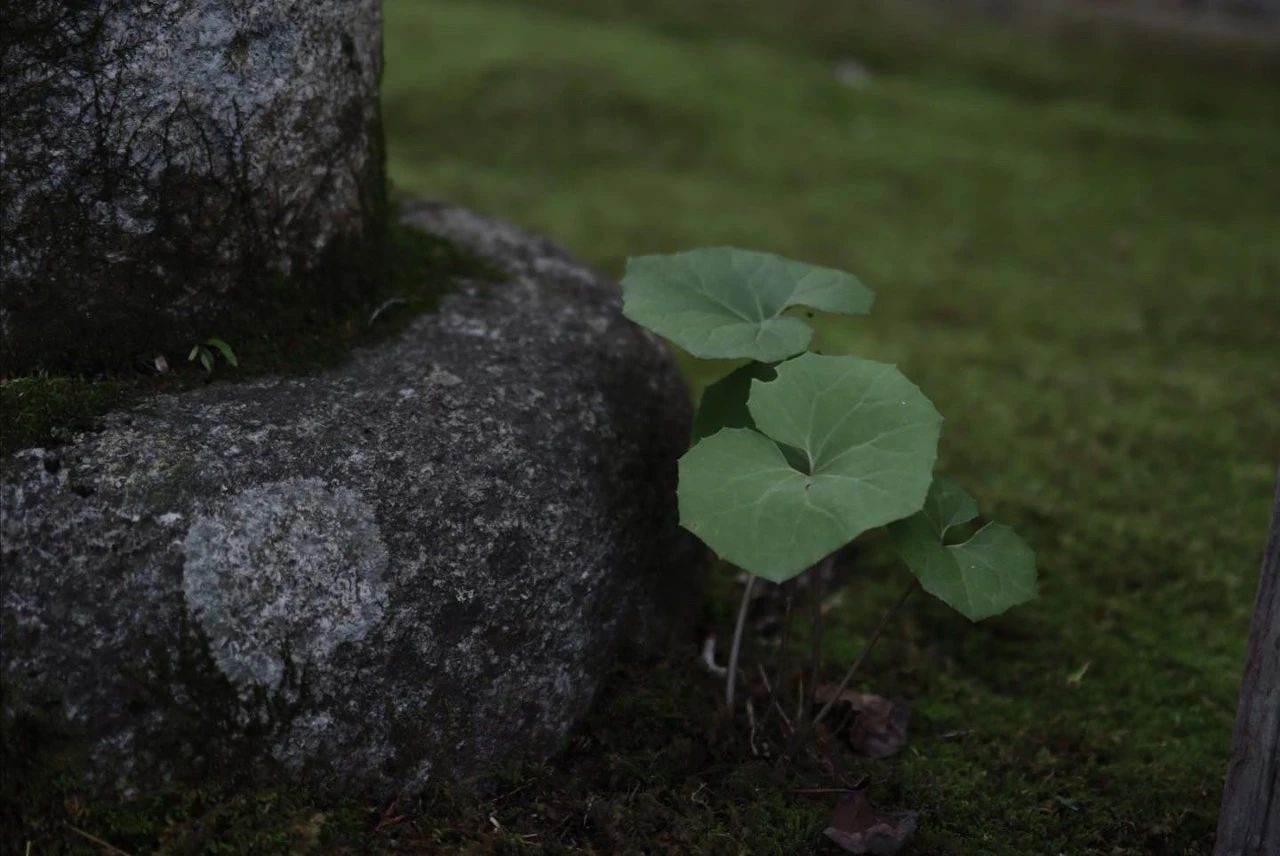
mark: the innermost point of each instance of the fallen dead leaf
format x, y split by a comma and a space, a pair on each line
879, 726
856, 826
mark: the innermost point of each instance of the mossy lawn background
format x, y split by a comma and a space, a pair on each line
1076, 248
1075, 239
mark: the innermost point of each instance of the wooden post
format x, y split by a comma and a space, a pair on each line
1250, 821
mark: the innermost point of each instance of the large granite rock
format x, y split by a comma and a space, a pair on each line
416, 565
172, 167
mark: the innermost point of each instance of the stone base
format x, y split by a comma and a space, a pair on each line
417, 565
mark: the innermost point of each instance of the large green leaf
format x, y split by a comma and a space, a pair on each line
840, 445
725, 303
984, 576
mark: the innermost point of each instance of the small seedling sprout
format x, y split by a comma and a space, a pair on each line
204, 352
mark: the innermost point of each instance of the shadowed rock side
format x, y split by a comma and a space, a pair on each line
171, 167
417, 565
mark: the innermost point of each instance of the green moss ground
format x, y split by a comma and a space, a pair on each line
1077, 254
1076, 244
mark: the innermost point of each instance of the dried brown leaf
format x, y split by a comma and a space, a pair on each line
856, 826
877, 726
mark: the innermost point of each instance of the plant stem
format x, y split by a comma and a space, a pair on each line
773, 696
784, 646
737, 642
816, 578
866, 651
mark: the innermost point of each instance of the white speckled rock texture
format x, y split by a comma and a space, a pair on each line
416, 565
166, 163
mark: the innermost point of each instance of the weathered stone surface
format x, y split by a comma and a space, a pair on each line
412, 566
170, 165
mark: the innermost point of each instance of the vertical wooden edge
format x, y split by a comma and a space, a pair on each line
1249, 822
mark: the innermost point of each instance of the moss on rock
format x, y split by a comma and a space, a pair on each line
48, 409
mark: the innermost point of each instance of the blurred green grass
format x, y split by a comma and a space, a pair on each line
1077, 254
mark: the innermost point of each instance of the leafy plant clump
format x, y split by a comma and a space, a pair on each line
204, 352
795, 454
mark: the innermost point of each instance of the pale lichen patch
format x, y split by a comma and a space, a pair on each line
282, 575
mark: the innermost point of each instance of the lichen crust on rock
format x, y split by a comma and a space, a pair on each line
282, 575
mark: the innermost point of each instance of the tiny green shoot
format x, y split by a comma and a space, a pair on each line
204, 352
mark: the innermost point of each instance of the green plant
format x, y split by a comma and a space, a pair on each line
203, 351
796, 454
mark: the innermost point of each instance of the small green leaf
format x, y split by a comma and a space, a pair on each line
206, 359
724, 403
986, 575
195, 352
725, 303
225, 349
862, 438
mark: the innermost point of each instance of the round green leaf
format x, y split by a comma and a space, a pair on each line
840, 445
986, 575
725, 303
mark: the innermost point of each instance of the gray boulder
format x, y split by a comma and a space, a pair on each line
417, 565
174, 167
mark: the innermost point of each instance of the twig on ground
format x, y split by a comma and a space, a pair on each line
866, 651
105, 845
786, 720
856, 786
517, 789
395, 301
